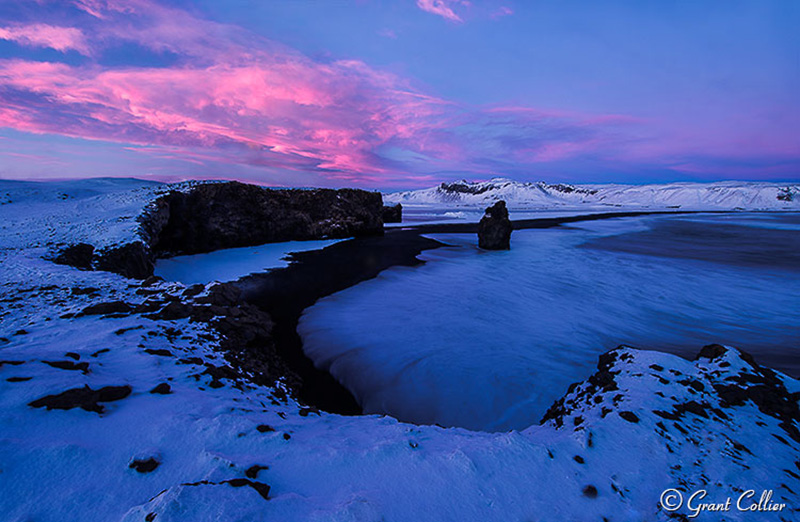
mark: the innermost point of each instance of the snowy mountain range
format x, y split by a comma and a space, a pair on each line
727, 195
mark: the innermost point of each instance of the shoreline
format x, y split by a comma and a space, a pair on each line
284, 293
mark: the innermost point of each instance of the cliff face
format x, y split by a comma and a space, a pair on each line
213, 216
226, 215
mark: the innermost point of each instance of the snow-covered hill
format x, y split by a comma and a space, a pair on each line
688, 196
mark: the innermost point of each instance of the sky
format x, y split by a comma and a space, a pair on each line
400, 94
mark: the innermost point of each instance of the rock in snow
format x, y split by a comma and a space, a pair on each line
494, 229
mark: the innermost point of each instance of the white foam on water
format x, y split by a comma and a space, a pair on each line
487, 340
232, 263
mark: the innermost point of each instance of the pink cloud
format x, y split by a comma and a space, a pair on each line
42, 35
233, 98
443, 8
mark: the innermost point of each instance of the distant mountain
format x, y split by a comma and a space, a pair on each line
719, 195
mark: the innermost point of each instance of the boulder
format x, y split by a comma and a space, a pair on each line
393, 213
494, 229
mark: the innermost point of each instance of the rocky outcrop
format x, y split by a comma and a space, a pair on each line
132, 260
79, 255
494, 229
393, 213
225, 215
212, 216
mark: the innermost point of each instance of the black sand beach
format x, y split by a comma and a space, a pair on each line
284, 293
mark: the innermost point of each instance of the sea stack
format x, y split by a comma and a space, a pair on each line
393, 213
494, 229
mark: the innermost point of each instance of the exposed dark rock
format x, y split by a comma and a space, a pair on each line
85, 398
131, 260
159, 351
111, 307
225, 215
629, 416
144, 465
68, 365
264, 428
494, 229
711, 352
590, 491
73, 355
162, 389
464, 187
152, 280
261, 488
78, 255
252, 471
172, 311
193, 290
18, 379
393, 213
212, 216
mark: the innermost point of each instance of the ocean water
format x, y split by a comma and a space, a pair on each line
232, 263
488, 340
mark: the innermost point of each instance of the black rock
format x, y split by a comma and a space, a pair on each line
212, 216
494, 229
111, 307
629, 416
77, 290
162, 389
393, 213
85, 398
79, 255
252, 471
144, 465
131, 260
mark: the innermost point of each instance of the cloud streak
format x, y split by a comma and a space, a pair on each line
443, 8
250, 100
42, 35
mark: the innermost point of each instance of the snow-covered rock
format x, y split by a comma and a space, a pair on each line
688, 196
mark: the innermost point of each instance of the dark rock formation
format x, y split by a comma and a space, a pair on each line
85, 398
393, 213
79, 255
144, 465
225, 215
111, 307
211, 216
494, 229
131, 260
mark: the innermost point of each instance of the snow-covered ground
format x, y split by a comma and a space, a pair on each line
466, 200
646, 422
